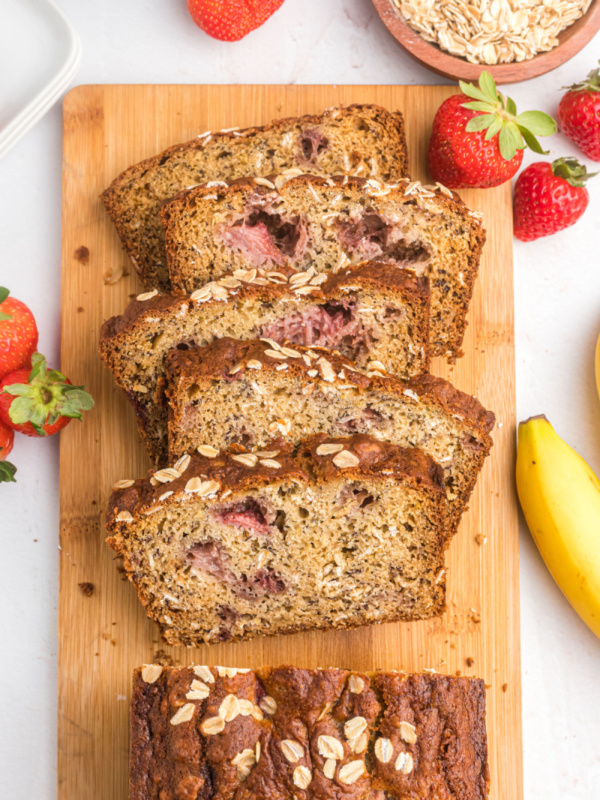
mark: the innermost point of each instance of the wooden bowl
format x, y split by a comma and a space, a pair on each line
430, 55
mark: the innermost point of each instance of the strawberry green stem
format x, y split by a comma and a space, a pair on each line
46, 397
572, 171
498, 117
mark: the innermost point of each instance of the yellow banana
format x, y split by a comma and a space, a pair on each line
560, 497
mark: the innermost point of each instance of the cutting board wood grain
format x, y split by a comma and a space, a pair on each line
103, 636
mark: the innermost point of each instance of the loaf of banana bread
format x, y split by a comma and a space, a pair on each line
360, 139
345, 532
373, 311
246, 392
326, 223
286, 733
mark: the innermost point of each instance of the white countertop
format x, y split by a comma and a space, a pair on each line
557, 291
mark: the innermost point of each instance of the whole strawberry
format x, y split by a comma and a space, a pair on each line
18, 333
479, 142
549, 197
42, 401
579, 115
231, 20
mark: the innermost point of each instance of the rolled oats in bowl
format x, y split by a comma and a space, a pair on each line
492, 31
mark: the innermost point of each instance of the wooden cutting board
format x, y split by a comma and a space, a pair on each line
102, 637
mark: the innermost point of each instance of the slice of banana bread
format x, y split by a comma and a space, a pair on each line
360, 139
287, 733
228, 546
373, 311
247, 392
327, 223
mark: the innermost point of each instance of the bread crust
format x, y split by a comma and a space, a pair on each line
227, 360
445, 340
119, 197
216, 360
394, 119
404, 283
436, 721
155, 314
224, 478
377, 460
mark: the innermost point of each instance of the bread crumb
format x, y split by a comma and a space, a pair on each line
481, 539
504, 687
86, 588
162, 658
470, 661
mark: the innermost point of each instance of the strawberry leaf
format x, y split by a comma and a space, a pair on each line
473, 91
18, 389
487, 85
78, 400
480, 123
516, 135
22, 410
572, 171
494, 128
532, 142
56, 376
537, 122
38, 366
46, 397
7, 472
479, 105
511, 106
499, 117
505, 144
510, 140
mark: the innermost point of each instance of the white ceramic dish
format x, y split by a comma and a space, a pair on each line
39, 56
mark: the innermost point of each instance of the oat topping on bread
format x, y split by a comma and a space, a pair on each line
248, 391
327, 223
371, 312
360, 139
285, 733
225, 546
